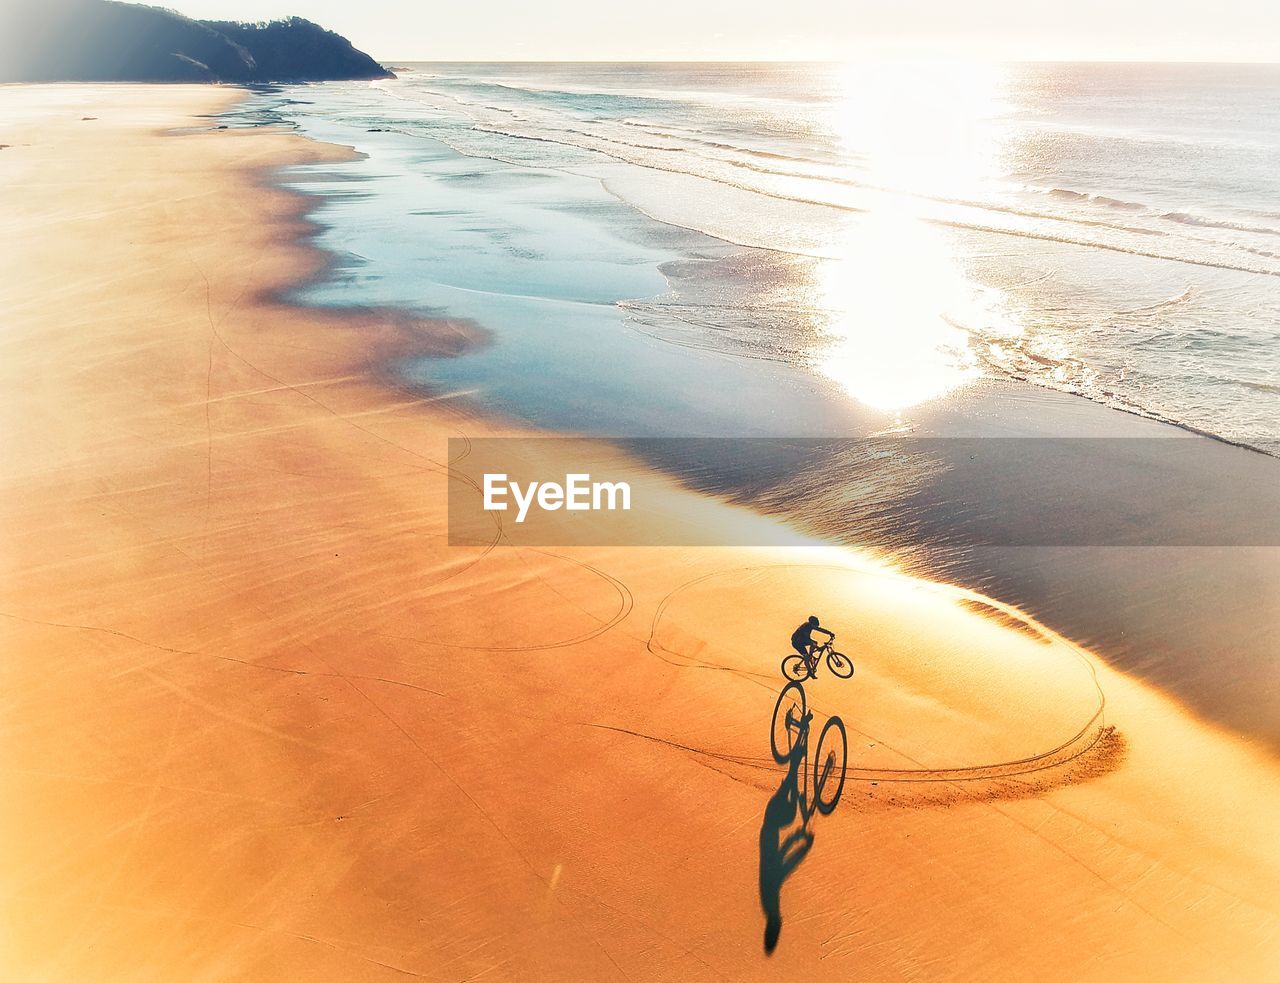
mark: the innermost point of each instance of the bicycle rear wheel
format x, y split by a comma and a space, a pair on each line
795, 668
840, 664
829, 765
788, 712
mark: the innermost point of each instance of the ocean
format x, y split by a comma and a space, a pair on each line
893, 251
846, 244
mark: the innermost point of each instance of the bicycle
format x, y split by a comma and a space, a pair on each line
798, 668
831, 757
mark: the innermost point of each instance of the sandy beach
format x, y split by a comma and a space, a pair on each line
262, 722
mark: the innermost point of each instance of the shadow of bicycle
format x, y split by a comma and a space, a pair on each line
785, 834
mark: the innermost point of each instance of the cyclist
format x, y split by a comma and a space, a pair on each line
802, 641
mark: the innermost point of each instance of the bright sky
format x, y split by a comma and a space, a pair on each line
728, 30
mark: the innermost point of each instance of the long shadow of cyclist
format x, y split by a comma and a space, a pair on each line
781, 852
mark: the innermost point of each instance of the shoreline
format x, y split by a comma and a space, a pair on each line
628, 205
1175, 612
281, 728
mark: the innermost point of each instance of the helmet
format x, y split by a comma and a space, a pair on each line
813, 620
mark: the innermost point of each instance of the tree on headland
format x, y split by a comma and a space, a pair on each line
296, 49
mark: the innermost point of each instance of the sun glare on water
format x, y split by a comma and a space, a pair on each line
897, 299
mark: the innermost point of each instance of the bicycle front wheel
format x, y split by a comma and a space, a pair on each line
829, 765
840, 664
788, 713
795, 668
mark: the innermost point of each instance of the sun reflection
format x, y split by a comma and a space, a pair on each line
890, 345
899, 305
931, 127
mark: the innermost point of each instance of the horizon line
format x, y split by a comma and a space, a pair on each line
826, 61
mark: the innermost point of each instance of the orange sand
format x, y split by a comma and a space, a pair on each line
261, 722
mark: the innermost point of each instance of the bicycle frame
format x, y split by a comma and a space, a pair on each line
815, 657
801, 665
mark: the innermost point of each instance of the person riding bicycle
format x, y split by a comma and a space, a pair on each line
802, 641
